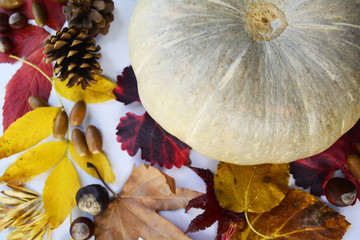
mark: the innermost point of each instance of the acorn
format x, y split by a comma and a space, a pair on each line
11, 4
82, 228
60, 125
18, 20
39, 13
4, 23
77, 113
6, 45
93, 139
36, 101
353, 162
340, 192
79, 142
92, 199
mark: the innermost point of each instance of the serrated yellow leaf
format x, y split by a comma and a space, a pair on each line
34, 162
99, 160
256, 188
28, 131
60, 191
101, 91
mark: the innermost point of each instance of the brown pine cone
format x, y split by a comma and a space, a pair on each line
94, 15
76, 56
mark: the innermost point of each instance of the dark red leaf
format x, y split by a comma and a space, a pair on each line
315, 171
26, 41
55, 16
127, 91
157, 146
26, 82
213, 211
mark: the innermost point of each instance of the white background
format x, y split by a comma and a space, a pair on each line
106, 116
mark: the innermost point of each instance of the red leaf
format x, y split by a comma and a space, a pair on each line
26, 41
213, 211
315, 171
55, 16
157, 146
26, 81
127, 91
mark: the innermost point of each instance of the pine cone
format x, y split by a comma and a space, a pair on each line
94, 15
76, 56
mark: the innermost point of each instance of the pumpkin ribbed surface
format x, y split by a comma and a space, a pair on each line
249, 82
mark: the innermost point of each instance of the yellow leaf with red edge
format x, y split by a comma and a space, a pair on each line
28, 131
256, 188
98, 160
101, 91
59, 192
34, 162
299, 216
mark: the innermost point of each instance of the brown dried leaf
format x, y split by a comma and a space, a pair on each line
256, 188
133, 212
299, 216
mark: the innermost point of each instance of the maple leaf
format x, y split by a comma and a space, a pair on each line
133, 212
315, 171
213, 211
157, 146
299, 216
127, 90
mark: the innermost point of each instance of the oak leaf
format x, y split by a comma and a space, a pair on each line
157, 146
256, 188
20, 136
299, 216
133, 212
59, 192
98, 160
34, 162
101, 91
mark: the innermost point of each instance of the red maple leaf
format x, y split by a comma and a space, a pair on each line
315, 171
127, 91
157, 146
213, 211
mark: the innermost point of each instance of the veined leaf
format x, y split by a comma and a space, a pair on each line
34, 162
27, 131
101, 91
99, 160
60, 191
256, 188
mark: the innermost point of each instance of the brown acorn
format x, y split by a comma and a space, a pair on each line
77, 113
353, 162
340, 192
93, 139
36, 101
11, 4
60, 125
79, 142
92, 199
39, 13
82, 228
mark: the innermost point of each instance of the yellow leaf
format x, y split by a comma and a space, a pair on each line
99, 160
256, 188
101, 91
60, 191
28, 131
34, 162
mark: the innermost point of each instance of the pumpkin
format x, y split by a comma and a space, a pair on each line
249, 82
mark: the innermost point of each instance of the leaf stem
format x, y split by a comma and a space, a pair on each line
41, 71
90, 165
252, 228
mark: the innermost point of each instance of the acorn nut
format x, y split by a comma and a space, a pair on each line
6, 45
60, 125
4, 23
340, 192
39, 13
36, 101
82, 228
353, 162
11, 4
18, 20
79, 142
93, 139
77, 113
92, 199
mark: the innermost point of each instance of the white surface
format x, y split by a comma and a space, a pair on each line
106, 117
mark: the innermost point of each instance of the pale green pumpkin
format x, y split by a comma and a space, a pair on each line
249, 82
